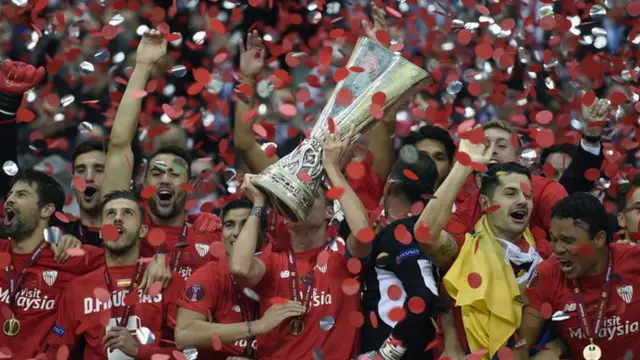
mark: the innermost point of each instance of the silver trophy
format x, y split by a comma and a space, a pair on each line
383, 71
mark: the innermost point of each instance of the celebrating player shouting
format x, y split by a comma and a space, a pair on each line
168, 171
106, 306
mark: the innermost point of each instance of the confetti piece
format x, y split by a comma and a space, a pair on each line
334, 193
383, 37
373, 319
592, 174
365, 235
397, 314
178, 355
544, 117
356, 319
463, 158
432, 344
376, 111
217, 26
75, 252
546, 310
416, 305
355, 170
217, 250
344, 97
110, 232
304, 177
492, 208
354, 266
331, 125
475, 280
402, 235
350, 286
394, 292
464, 37
148, 192
216, 343
25, 115
288, 110
79, 183
545, 138
102, 294
62, 217
323, 258
259, 130
156, 237
138, 94
410, 175
422, 234
62, 353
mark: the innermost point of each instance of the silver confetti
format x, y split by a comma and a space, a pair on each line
67, 100
409, 154
251, 294
190, 353
598, 31
597, 12
559, 316
118, 57
145, 336
264, 88
314, 17
52, 235
327, 322
10, 168
179, 71
116, 20
199, 37
600, 42
528, 157
215, 85
86, 68
161, 165
85, 127
546, 10
19, 3
102, 56
208, 119
454, 87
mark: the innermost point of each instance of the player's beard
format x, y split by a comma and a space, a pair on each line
168, 213
126, 247
22, 226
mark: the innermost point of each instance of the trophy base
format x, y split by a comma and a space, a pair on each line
286, 192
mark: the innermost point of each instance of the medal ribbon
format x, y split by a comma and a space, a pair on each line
15, 281
176, 256
293, 270
602, 305
246, 317
124, 319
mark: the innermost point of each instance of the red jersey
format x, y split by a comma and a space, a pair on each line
327, 302
39, 293
369, 187
620, 330
210, 291
81, 313
546, 193
195, 255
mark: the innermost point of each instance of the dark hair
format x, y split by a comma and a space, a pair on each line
178, 152
47, 188
491, 178
586, 208
433, 133
86, 147
422, 166
121, 194
242, 203
568, 149
623, 191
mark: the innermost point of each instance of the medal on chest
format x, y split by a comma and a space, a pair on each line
592, 352
11, 327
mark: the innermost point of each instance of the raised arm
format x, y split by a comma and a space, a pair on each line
441, 245
245, 268
354, 211
251, 65
118, 164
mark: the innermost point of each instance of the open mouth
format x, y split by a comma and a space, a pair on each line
120, 229
566, 265
165, 196
89, 192
9, 215
519, 215
494, 161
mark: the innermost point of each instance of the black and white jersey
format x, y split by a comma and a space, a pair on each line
407, 267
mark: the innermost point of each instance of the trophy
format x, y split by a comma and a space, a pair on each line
378, 69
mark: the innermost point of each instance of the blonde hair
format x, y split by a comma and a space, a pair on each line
505, 126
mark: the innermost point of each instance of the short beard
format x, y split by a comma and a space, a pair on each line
20, 230
175, 211
122, 250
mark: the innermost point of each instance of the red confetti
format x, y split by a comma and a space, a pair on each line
505, 354
216, 343
334, 193
356, 319
584, 250
464, 37
217, 26
288, 110
110, 232
304, 177
484, 51
546, 310
62, 217
417, 208
376, 111
217, 250
508, 24
109, 32
526, 189
62, 353
365, 235
331, 125
463, 158
492, 208
102, 294
350, 286
173, 37
156, 237
79, 183
202, 76
383, 37
589, 98
397, 314
592, 174
260, 130
25, 115
354, 266
475, 280
410, 175
394, 292
148, 192
373, 319
545, 138
355, 170
271, 150
138, 94
379, 98
402, 234
75, 252
416, 305
344, 97
544, 117
422, 233
340, 74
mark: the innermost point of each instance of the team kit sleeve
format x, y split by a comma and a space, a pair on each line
419, 280
66, 326
540, 288
551, 194
201, 282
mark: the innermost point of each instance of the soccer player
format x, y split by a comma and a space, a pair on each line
397, 275
88, 164
628, 203
213, 304
587, 288
106, 306
312, 270
437, 143
167, 176
35, 273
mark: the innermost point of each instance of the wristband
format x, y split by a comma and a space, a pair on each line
257, 211
9, 104
392, 349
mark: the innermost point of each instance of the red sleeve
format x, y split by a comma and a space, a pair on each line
147, 352
464, 219
268, 257
542, 285
64, 330
368, 188
203, 282
173, 293
551, 194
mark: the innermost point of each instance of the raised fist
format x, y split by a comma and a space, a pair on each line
17, 77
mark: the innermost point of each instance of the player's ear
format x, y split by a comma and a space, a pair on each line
621, 220
144, 230
47, 211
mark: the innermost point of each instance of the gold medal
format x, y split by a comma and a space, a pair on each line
592, 352
296, 327
11, 327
